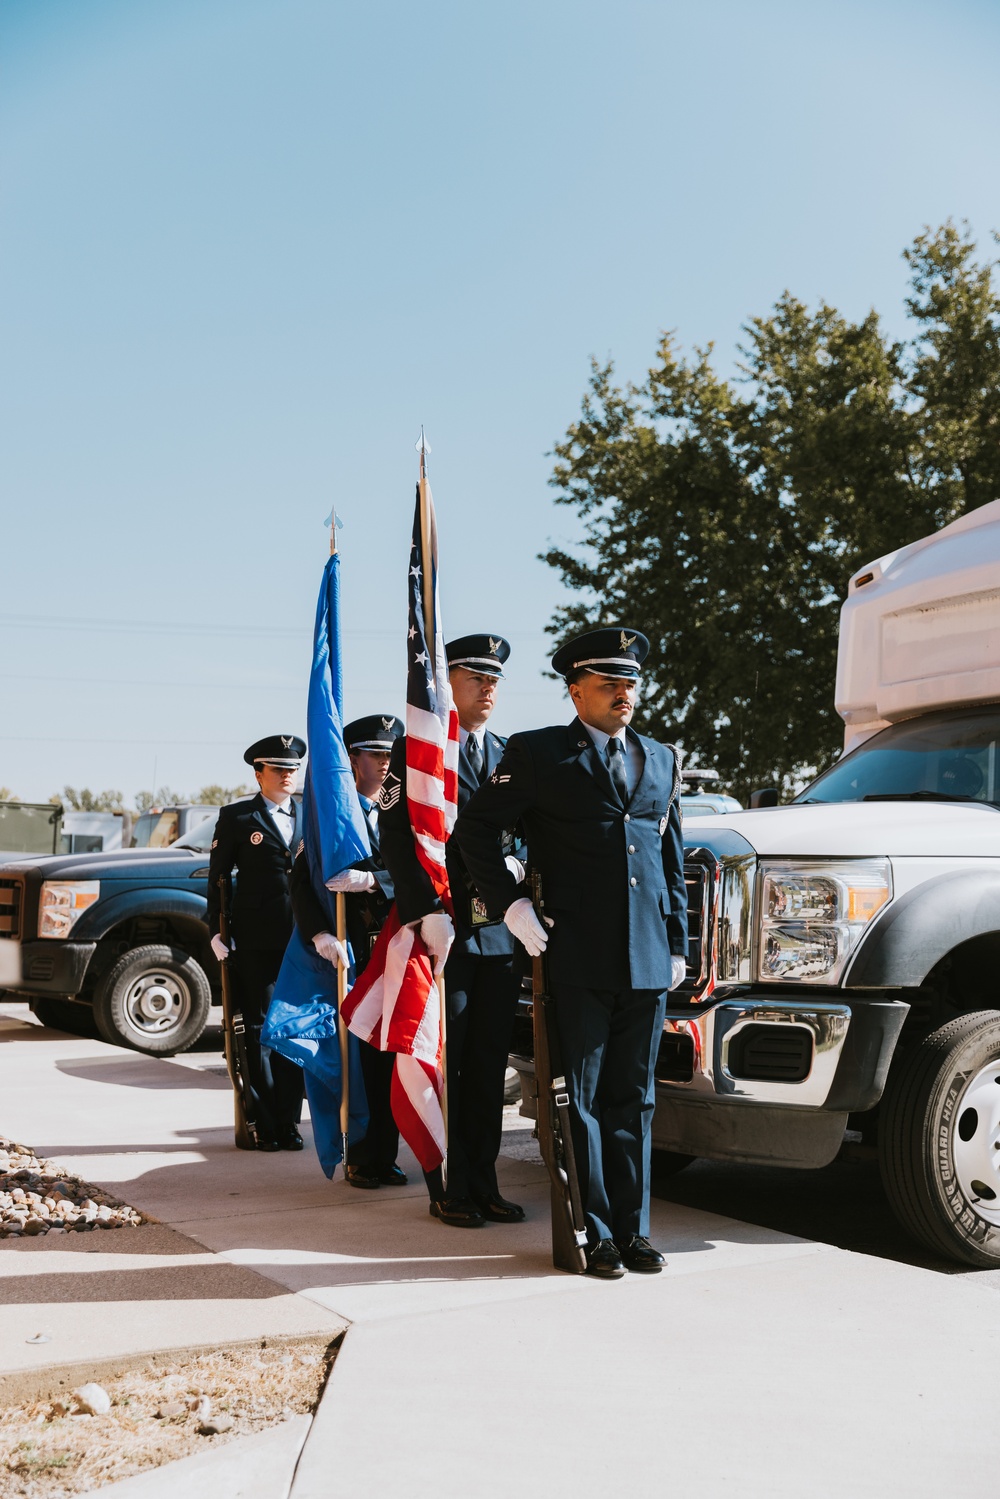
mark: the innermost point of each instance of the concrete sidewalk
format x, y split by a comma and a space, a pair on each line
757, 1364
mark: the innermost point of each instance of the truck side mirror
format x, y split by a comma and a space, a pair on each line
767, 796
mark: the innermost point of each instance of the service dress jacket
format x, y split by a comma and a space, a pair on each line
612, 873
366, 911
476, 932
247, 840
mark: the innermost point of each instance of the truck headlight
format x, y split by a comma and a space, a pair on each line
62, 904
812, 916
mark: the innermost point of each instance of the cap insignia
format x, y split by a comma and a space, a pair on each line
494, 646
387, 724
287, 743
627, 641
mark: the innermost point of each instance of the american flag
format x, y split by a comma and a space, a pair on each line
395, 1005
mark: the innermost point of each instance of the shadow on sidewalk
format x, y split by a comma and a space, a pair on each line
130, 1070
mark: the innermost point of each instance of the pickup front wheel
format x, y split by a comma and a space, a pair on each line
154, 999
939, 1140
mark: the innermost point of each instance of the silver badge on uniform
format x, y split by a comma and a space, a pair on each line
256, 838
663, 826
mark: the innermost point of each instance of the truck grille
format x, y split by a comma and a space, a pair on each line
11, 901
700, 877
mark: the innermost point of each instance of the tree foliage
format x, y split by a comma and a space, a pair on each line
86, 800
725, 517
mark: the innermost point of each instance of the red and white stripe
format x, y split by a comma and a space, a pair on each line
394, 1006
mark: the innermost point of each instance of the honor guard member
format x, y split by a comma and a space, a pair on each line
257, 838
602, 822
368, 894
480, 986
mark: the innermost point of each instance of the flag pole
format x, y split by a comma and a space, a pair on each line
428, 592
345, 1083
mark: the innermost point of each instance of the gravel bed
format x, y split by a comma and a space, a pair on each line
39, 1197
101, 1433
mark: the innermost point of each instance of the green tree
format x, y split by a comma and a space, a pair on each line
165, 797
89, 801
725, 517
220, 796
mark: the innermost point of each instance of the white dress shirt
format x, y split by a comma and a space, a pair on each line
283, 817
634, 757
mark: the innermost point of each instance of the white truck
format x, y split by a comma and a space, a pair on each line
844, 972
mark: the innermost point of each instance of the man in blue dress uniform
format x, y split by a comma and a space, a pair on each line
600, 812
368, 894
258, 839
480, 985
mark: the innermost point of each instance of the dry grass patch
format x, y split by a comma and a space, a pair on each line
48, 1448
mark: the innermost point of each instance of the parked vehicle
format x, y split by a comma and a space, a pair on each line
118, 940
94, 832
29, 828
162, 826
844, 969
698, 798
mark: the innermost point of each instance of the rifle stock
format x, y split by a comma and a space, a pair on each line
569, 1234
234, 1038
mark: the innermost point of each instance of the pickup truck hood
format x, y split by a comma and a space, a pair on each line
859, 829
116, 864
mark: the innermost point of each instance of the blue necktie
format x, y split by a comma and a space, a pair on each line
616, 765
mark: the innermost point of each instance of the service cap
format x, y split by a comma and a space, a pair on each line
283, 750
482, 653
614, 651
379, 731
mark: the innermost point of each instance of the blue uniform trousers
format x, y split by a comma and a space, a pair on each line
481, 994
609, 1043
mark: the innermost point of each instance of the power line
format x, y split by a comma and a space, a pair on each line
195, 628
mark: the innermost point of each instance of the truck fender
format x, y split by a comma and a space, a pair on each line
100, 919
923, 927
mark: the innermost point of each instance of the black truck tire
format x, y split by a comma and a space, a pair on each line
64, 1015
939, 1140
155, 999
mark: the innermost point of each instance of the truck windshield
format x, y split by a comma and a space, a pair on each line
946, 757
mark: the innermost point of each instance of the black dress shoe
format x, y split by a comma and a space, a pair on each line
639, 1254
604, 1261
458, 1212
498, 1210
269, 1145
290, 1140
393, 1176
361, 1176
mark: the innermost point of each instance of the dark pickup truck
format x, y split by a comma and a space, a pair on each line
117, 940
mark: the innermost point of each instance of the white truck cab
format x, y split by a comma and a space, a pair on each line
845, 949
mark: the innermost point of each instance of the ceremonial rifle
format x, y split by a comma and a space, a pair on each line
569, 1233
235, 1039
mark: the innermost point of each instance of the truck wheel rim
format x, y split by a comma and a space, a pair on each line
976, 1143
157, 1002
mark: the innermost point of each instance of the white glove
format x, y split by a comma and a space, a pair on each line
327, 945
520, 918
352, 882
219, 948
437, 932
516, 868
678, 968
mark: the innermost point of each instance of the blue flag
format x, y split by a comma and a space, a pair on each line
302, 1018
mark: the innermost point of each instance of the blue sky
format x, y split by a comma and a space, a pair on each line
248, 246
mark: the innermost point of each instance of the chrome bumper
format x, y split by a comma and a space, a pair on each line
713, 1033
